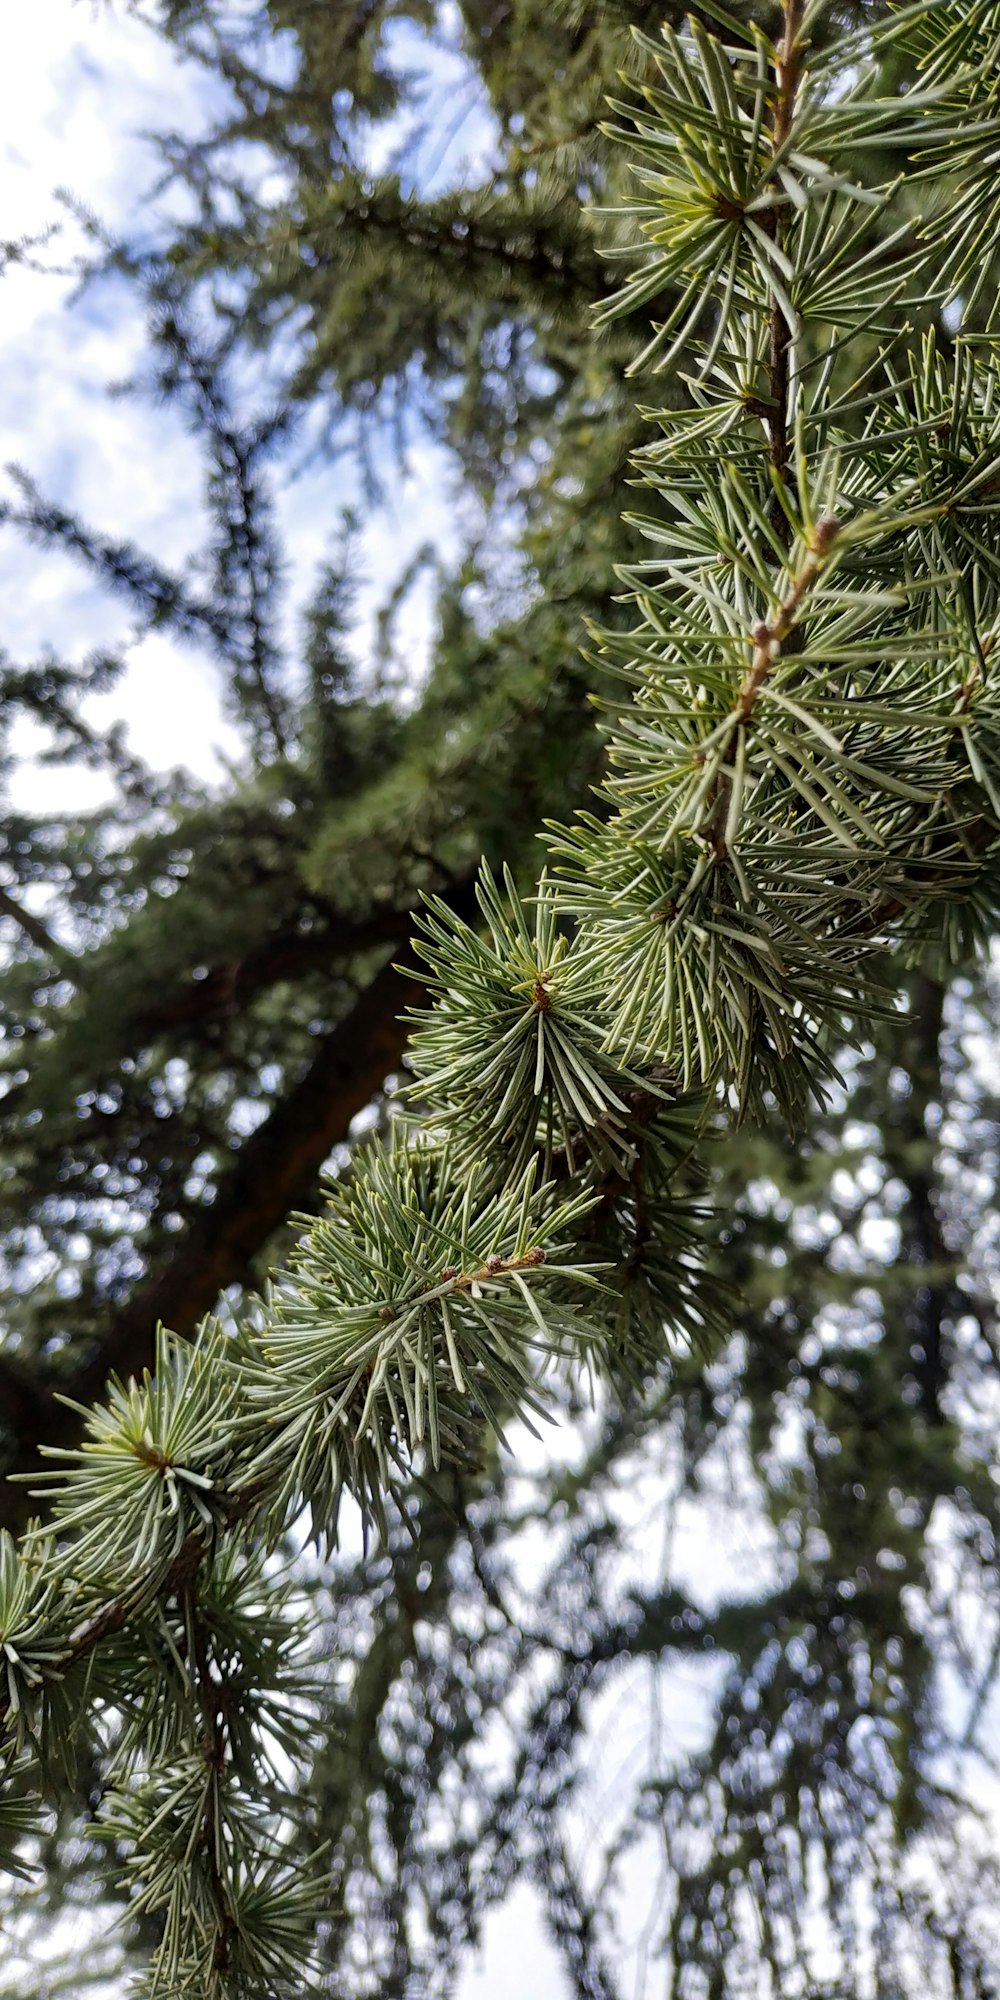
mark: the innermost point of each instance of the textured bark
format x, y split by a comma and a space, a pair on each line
284, 955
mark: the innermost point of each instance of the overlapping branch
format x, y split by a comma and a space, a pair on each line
807, 765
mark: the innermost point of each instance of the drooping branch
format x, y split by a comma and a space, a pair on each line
273, 1173
246, 568
42, 938
339, 1376
228, 985
159, 597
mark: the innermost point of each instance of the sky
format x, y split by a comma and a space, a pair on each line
79, 84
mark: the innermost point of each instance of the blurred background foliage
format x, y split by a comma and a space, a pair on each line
713, 1669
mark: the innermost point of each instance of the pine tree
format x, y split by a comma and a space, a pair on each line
774, 817
287, 1012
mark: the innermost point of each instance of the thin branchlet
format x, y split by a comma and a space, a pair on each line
767, 639
810, 764
788, 70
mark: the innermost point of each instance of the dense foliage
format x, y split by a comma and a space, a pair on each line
802, 753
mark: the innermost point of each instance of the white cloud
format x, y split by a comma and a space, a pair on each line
78, 85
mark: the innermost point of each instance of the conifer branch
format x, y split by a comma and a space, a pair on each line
767, 639
273, 1172
771, 824
211, 1698
40, 937
788, 65
227, 987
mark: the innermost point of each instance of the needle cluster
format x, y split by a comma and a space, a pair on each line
804, 768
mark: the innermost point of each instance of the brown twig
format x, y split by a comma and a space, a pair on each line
768, 639
788, 73
211, 1696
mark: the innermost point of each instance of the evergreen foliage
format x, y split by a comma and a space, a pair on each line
801, 774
